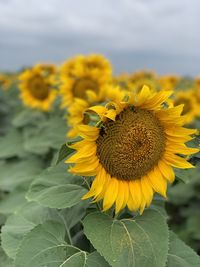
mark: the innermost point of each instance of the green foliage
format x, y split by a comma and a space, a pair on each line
44, 222
11, 145
64, 152
56, 188
181, 255
129, 242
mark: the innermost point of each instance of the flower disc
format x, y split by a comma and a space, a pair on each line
130, 147
82, 85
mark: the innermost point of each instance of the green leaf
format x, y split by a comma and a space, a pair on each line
64, 152
32, 214
193, 224
4, 260
186, 175
56, 189
12, 145
180, 193
11, 202
127, 242
180, 255
41, 246
51, 134
81, 259
16, 173
95, 259
45, 246
28, 116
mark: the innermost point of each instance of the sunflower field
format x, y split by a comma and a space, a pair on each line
97, 169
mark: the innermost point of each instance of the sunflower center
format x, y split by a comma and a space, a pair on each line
38, 88
187, 104
82, 85
131, 146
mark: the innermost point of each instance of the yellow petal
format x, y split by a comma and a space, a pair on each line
110, 114
88, 132
83, 154
111, 194
166, 170
120, 196
177, 161
86, 169
135, 191
143, 95
179, 139
100, 110
104, 188
80, 144
156, 101
126, 194
180, 131
157, 181
181, 149
147, 190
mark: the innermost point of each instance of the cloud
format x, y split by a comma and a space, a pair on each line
156, 28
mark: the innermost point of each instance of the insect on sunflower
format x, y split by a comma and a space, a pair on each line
132, 152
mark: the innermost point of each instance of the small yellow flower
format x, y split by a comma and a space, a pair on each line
36, 89
132, 151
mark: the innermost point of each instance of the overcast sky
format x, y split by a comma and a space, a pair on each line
134, 34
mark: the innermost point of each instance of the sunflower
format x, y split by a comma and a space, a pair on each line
190, 109
132, 150
4, 82
197, 94
36, 89
76, 116
141, 78
78, 112
168, 82
83, 77
46, 69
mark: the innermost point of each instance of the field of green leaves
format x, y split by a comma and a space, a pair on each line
44, 221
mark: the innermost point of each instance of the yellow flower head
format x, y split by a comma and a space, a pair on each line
197, 92
132, 150
46, 69
84, 76
76, 116
122, 80
191, 107
4, 82
36, 89
141, 78
168, 82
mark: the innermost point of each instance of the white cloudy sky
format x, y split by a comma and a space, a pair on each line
134, 34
